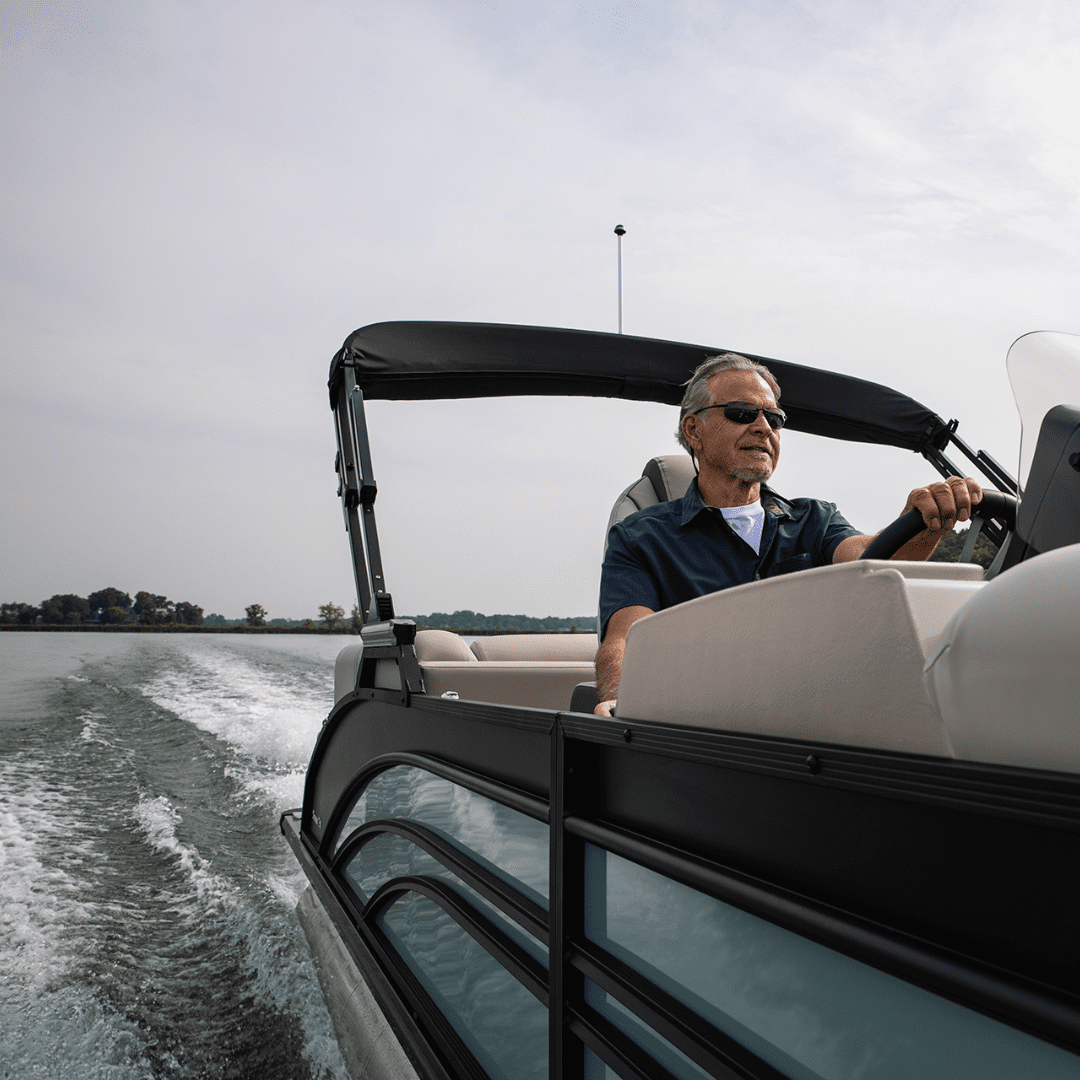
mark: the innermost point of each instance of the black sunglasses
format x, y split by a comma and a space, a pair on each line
742, 412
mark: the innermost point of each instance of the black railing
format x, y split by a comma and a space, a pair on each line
520, 909
995, 848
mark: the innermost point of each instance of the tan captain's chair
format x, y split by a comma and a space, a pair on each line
663, 479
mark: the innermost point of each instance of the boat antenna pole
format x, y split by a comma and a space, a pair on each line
620, 232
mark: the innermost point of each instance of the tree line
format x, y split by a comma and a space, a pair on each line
110, 606
951, 546
116, 608
330, 616
474, 620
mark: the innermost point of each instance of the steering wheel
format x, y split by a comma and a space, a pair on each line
995, 504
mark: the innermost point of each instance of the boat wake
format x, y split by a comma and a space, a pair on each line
146, 897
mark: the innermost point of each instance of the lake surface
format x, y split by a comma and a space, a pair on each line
146, 894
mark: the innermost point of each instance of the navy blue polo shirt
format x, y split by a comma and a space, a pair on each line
679, 550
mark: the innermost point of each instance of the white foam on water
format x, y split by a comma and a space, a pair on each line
48, 1027
91, 728
286, 980
269, 707
285, 788
157, 819
35, 900
56, 892
67, 1036
273, 948
270, 713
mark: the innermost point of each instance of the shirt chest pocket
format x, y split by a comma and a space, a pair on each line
789, 566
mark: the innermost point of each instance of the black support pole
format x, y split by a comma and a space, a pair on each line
566, 920
358, 490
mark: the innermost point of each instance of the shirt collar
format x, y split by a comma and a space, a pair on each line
691, 503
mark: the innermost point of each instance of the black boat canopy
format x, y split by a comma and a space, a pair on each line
409, 361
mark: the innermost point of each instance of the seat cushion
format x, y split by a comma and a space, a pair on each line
580, 647
1005, 673
441, 645
534, 684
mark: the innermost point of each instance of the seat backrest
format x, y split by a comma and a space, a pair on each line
578, 647
538, 671
1005, 672
663, 478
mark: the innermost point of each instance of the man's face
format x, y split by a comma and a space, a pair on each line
748, 452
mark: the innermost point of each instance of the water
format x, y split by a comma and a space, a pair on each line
146, 894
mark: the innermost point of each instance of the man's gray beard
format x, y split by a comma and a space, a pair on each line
752, 476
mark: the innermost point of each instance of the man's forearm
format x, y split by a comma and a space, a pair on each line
916, 550
609, 658
609, 669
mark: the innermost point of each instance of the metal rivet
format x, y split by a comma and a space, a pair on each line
627, 734
813, 764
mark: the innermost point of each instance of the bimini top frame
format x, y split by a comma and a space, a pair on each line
409, 361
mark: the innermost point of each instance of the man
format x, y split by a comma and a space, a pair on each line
730, 528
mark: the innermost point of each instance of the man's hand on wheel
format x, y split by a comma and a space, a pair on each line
945, 503
605, 708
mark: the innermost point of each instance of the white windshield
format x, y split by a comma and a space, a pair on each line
1044, 369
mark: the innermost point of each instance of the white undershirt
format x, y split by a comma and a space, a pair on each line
747, 521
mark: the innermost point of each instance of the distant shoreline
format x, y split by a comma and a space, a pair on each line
99, 628
132, 628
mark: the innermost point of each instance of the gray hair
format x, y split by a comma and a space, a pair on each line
698, 395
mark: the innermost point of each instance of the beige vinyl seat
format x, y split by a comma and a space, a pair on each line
1004, 673
663, 478
532, 670
834, 654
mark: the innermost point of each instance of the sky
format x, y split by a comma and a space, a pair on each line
200, 199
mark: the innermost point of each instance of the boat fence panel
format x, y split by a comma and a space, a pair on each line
651, 1042
693, 903
387, 857
504, 1025
807, 1010
508, 844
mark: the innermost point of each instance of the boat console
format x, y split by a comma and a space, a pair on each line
834, 654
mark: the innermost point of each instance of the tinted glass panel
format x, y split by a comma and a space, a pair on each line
595, 1069
810, 1011
497, 1018
388, 856
510, 844
656, 1046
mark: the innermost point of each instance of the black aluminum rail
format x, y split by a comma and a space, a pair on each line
523, 911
